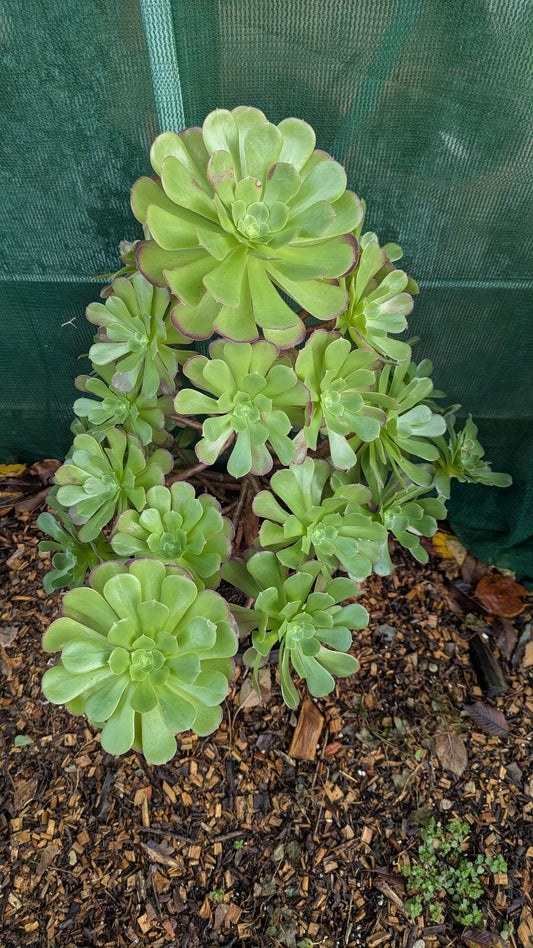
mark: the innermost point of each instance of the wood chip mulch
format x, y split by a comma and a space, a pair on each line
282, 828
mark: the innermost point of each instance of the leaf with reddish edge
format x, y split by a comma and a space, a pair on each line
488, 719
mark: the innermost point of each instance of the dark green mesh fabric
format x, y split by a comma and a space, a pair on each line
427, 103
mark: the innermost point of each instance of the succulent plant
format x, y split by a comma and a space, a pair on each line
255, 397
462, 457
410, 429
97, 482
340, 379
316, 523
238, 211
178, 528
137, 414
144, 655
303, 615
72, 558
380, 299
137, 336
408, 516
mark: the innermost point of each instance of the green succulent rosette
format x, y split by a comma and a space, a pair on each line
137, 337
178, 528
72, 558
463, 457
144, 655
408, 516
98, 482
255, 397
316, 523
242, 209
410, 430
136, 414
340, 381
380, 299
303, 616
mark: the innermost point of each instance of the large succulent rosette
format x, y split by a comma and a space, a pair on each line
144, 655
242, 209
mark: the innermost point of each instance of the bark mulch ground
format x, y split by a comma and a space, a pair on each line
238, 841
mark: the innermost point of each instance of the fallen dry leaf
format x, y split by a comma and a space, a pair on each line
248, 696
488, 719
7, 634
12, 470
448, 547
507, 636
484, 939
501, 595
451, 751
45, 469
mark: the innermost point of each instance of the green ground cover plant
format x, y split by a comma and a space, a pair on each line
444, 869
253, 243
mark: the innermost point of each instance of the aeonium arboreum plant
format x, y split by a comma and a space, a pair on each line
239, 210
337, 530
98, 482
137, 337
72, 558
462, 457
254, 397
410, 429
144, 655
244, 222
146, 417
177, 527
380, 299
340, 380
302, 615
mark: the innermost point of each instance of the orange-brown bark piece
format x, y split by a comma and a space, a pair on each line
307, 732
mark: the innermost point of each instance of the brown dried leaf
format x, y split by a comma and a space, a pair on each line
7, 634
45, 469
248, 696
451, 751
472, 570
501, 595
507, 636
488, 719
484, 938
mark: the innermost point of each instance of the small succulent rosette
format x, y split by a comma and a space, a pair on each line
144, 655
380, 299
137, 337
463, 457
97, 482
301, 613
337, 529
340, 380
254, 398
242, 209
178, 528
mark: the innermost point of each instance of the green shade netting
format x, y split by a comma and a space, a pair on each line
428, 105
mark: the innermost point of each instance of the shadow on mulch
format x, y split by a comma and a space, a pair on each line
235, 842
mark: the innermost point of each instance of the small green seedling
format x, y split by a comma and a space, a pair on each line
443, 870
